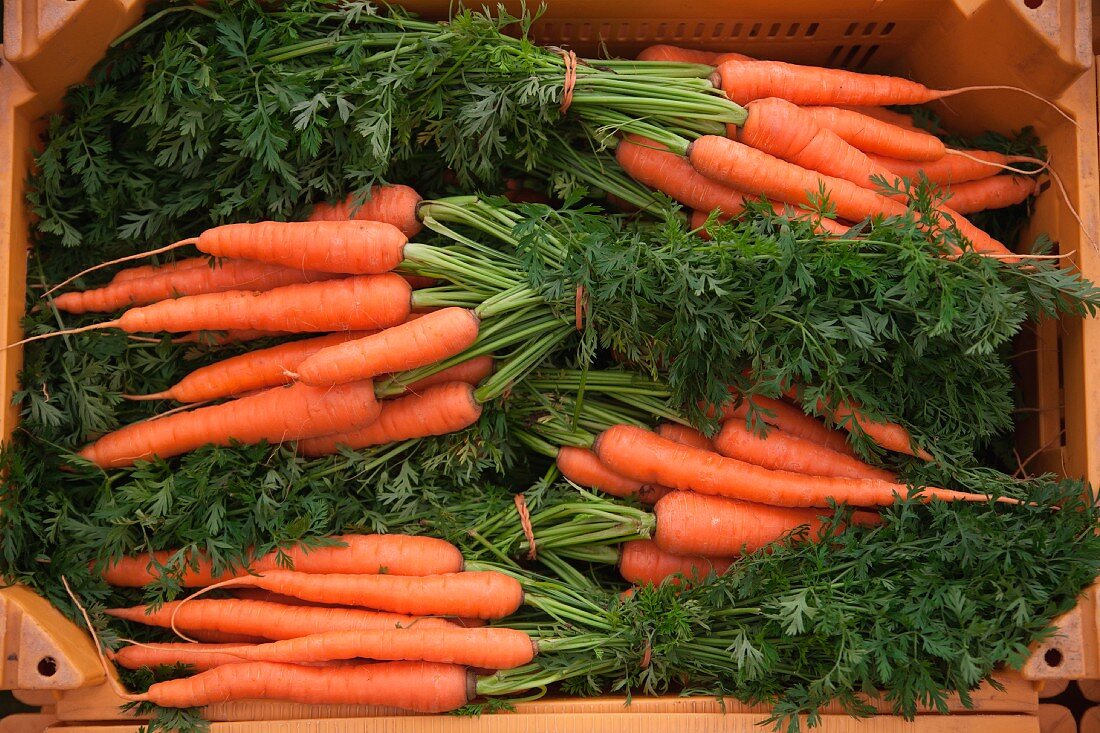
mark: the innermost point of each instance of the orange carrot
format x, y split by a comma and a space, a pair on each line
211, 276
783, 451
472, 371
582, 467
790, 420
220, 637
661, 52
268, 620
431, 338
739, 165
132, 273
227, 336
696, 524
647, 457
684, 435
642, 562
392, 204
418, 282
950, 168
437, 410
876, 136
888, 435
276, 415
423, 687
490, 647
394, 554
995, 192
249, 371
898, 119
477, 594
256, 594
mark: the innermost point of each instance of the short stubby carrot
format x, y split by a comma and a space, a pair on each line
683, 434
395, 554
436, 410
392, 204
429, 339
249, 371
477, 594
995, 192
786, 452
642, 562
266, 619
275, 415
689, 523
646, 456
735, 164
582, 467
877, 136
210, 276
422, 687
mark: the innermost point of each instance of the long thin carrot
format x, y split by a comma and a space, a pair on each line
790, 420
220, 637
266, 619
786, 452
424, 341
696, 524
395, 554
736, 164
582, 467
393, 204
217, 276
877, 136
488, 647
642, 562
476, 594
221, 337
646, 456
968, 165
995, 192
436, 410
249, 371
423, 687
275, 415
888, 435
744, 80
898, 119
132, 273
683, 434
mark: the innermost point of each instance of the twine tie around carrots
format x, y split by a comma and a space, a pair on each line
570, 59
525, 522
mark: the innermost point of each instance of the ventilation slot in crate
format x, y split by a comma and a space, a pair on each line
856, 56
689, 33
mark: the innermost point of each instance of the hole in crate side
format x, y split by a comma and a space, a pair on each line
792, 29
850, 30
867, 56
1033, 3
47, 666
811, 29
869, 28
888, 28
774, 30
847, 62
1053, 657
755, 30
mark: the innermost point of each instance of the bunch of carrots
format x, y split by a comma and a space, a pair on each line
811, 134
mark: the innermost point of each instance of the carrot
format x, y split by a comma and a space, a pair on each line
684, 435
642, 562
276, 415
790, 420
256, 594
392, 204
735, 164
645, 456
582, 467
783, 451
472, 371
352, 303
996, 192
437, 410
268, 620
423, 687
477, 594
662, 52
418, 282
882, 114
490, 647
876, 136
744, 80
952, 168
431, 338
394, 554
822, 225
199, 656
220, 637
227, 336
249, 371
696, 524
217, 276
648, 163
